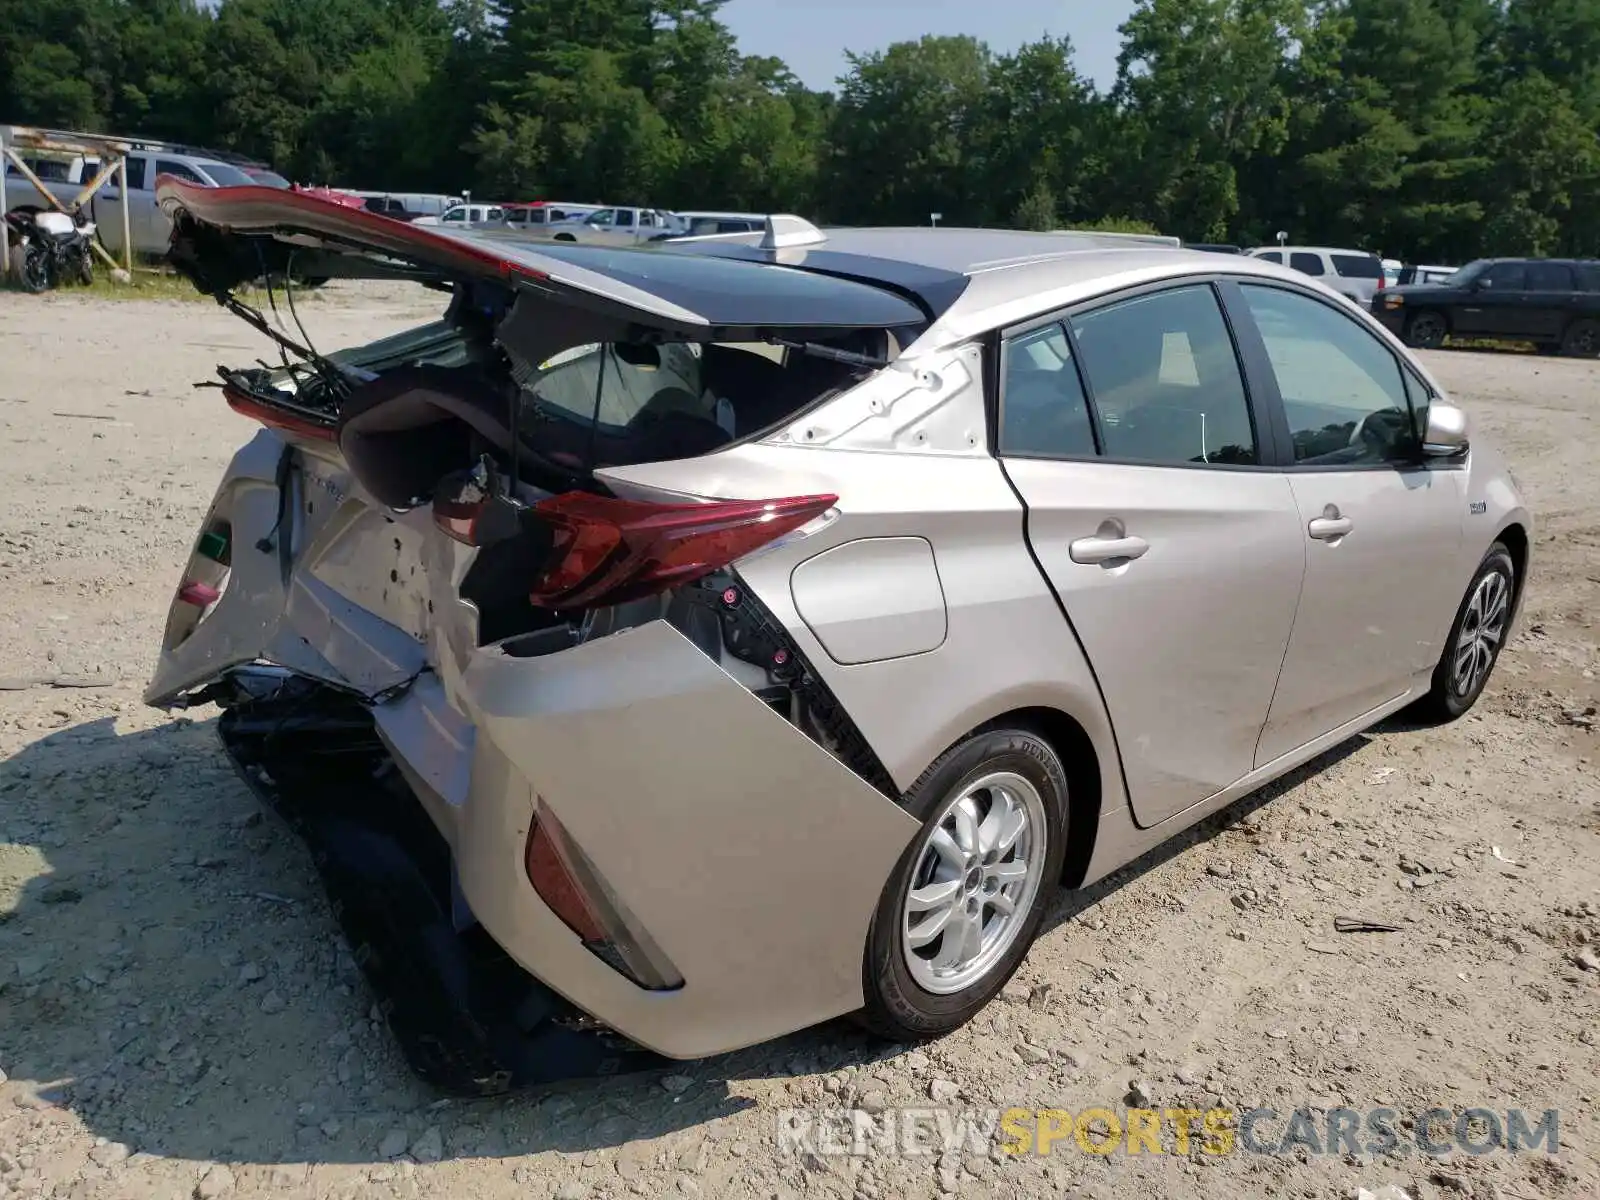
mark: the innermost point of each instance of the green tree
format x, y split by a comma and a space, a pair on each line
1542, 172
1036, 134
1388, 151
1200, 93
1037, 209
903, 140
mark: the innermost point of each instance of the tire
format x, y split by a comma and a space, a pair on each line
1582, 339
1454, 690
34, 272
1426, 330
996, 771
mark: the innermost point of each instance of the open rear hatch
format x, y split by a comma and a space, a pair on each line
448, 487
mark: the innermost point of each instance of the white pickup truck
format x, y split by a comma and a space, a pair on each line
148, 226
618, 226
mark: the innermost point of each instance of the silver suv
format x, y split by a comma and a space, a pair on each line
1354, 274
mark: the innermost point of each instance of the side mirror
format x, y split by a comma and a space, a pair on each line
1446, 435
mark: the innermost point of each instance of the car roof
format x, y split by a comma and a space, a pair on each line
977, 279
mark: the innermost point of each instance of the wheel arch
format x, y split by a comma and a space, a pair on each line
1075, 749
1515, 538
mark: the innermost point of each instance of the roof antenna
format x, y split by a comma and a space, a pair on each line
784, 230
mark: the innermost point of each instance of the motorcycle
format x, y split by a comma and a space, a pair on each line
50, 248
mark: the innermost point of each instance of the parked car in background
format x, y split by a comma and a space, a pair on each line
618, 226
1354, 274
1413, 273
539, 214
405, 206
636, 555
1553, 303
1391, 271
462, 215
148, 227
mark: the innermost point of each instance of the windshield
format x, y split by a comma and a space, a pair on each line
268, 179
225, 176
1468, 273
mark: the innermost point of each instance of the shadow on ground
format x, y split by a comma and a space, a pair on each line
170, 973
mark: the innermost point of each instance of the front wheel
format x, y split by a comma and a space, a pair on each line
1426, 330
967, 898
1476, 638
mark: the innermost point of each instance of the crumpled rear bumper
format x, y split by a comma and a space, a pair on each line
468, 1019
752, 857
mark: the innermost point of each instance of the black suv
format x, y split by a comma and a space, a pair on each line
1552, 302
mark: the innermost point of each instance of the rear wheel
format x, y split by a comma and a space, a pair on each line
1476, 638
1582, 339
1426, 330
967, 898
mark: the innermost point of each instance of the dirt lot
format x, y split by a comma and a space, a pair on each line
178, 1015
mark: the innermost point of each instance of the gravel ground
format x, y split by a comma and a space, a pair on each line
179, 1017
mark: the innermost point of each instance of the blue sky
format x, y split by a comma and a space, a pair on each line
812, 35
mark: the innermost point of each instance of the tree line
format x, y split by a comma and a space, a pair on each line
1436, 130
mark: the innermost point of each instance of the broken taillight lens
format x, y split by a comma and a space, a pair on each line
568, 883
606, 550
274, 417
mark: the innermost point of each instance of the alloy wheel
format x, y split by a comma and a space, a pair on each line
976, 878
1482, 628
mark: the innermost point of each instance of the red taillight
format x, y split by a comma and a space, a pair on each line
607, 550
201, 595
276, 418
566, 880
458, 519
553, 880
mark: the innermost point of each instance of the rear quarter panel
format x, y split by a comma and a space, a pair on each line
1005, 645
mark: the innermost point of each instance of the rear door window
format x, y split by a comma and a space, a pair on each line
624, 218
495, 214
1043, 410
1549, 277
1165, 379
1358, 266
1306, 264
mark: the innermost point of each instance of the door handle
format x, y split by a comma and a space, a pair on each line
1091, 550
1327, 529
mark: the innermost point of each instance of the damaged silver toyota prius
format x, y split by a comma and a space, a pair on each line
670, 648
